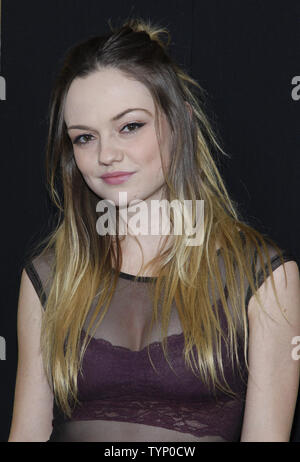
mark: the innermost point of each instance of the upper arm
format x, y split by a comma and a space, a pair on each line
33, 400
273, 371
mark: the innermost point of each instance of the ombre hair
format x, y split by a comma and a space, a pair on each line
83, 258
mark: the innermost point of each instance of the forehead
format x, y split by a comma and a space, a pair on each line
104, 93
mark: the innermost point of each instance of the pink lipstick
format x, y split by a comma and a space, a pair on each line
116, 177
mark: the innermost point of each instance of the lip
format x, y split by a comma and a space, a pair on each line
116, 177
118, 173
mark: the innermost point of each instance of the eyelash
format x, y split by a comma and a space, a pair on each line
86, 135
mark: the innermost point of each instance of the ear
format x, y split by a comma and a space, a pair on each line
189, 108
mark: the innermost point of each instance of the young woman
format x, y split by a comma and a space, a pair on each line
126, 337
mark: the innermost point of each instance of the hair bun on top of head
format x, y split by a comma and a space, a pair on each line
154, 31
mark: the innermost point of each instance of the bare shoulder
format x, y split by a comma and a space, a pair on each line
273, 371
287, 285
33, 400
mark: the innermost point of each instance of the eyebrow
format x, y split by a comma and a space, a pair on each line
117, 117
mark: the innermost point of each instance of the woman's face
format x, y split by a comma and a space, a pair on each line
105, 141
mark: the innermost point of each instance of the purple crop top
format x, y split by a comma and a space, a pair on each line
123, 397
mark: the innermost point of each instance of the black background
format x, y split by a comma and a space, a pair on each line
244, 53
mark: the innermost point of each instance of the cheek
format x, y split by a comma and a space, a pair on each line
155, 163
82, 163
150, 158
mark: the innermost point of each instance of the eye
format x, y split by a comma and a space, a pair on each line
86, 136
133, 124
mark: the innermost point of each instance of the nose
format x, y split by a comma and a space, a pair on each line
109, 151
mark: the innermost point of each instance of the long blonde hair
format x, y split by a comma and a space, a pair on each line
83, 258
